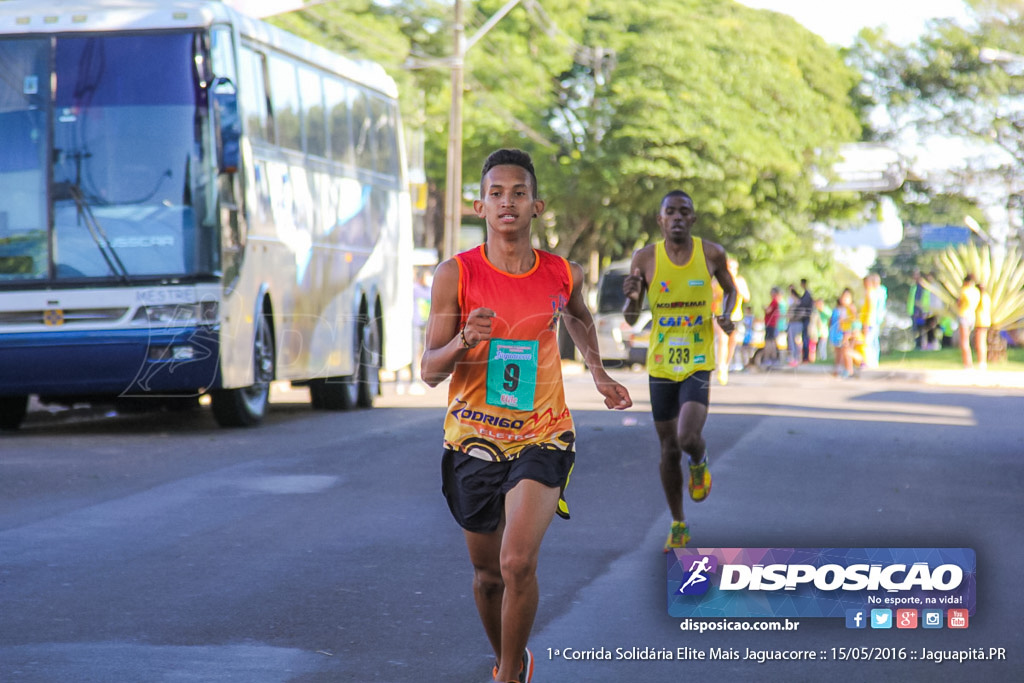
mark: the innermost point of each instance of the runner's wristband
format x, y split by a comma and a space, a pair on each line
462, 336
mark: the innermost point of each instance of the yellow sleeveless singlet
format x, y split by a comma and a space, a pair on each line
681, 334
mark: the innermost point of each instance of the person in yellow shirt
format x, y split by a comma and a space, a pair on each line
725, 343
676, 274
983, 321
966, 317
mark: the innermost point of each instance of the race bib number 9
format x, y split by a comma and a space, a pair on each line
512, 373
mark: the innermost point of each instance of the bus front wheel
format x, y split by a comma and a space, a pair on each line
12, 411
247, 406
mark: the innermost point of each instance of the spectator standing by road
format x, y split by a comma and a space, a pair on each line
793, 327
802, 311
772, 315
822, 314
420, 314
966, 317
725, 343
919, 308
844, 332
983, 321
746, 346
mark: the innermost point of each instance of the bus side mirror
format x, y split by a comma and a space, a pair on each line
229, 132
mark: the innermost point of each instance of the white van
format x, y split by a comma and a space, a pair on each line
615, 337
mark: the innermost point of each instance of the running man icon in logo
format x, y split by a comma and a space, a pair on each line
696, 581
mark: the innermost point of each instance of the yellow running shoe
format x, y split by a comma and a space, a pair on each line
678, 537
700, 479
525, 671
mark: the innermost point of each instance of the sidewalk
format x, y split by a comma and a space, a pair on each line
951, 378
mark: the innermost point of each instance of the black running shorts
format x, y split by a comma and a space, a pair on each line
668, 396
475, 489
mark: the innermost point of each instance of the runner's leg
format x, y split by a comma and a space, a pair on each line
671, 467
529, 508
691, 427
488, 587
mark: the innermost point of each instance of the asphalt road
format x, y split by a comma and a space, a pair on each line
157, 547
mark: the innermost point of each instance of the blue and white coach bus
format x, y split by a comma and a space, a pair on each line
193, 201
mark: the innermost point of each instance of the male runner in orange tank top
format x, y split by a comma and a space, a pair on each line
676, 273
509, 438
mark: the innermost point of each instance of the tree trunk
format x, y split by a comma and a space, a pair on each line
996, 346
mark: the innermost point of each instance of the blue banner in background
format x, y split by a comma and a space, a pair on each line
817, 582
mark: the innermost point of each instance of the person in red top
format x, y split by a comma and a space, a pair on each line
509, 437
771, 328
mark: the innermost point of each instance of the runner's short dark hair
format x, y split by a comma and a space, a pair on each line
676, 193
509, 157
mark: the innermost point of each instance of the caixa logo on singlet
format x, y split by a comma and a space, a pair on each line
681, 321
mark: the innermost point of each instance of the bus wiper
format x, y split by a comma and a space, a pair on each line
65, 189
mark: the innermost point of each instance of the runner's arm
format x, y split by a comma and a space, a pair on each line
635, 284
446, 337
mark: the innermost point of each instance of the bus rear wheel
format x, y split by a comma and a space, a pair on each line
359, 389
368, 374
247, 406
333, 393
12, 411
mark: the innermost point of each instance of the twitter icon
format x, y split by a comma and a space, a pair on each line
881, 618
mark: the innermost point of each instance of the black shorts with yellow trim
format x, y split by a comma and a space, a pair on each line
475, 489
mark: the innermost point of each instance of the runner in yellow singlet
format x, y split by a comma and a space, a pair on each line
676, 274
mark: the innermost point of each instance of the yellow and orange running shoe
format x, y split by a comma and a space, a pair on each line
678, 537
700, 479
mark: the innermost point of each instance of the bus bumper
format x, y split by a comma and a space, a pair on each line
120, 363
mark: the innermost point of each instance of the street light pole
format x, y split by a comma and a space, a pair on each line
453, 175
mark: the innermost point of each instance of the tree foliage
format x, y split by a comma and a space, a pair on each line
620, 101
964, 81
920, 205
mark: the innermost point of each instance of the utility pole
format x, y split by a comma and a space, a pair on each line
453, 182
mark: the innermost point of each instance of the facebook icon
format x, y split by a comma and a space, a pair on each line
856, 618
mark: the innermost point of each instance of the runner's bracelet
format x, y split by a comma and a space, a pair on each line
462, 336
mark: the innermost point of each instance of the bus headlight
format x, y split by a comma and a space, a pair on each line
177, 315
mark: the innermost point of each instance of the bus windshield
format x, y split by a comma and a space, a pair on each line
117, 193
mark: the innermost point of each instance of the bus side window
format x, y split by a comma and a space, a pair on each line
363, 119
339, 119
315, 128
384, 137
253, 93
284, 101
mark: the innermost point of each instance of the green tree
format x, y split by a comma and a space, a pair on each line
920, 205
620, 101
732, 104
963, 81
